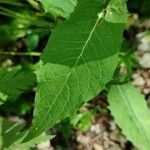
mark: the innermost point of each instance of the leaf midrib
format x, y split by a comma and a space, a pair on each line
131, 112
73, 68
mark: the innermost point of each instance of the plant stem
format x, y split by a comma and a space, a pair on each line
17, 3
21, 53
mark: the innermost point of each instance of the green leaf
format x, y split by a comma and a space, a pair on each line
3, 98
59, 8
131, 113
116, 11
79, 59
86, 120
14, 82
32, 41
11, 135
31, 144
11, 132
12, 2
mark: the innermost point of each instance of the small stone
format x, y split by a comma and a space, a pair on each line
123, 142
135, 75
144, 45
139, 81
106, 144
97, 147
123, 139
93, 128
83, 109
105, 135
114, 136
44, 146
83, 139
145, 74
113, 126
98, 130
80, 147
145, 60
123, 70
144, 42
146, 91
115, 147
148, 82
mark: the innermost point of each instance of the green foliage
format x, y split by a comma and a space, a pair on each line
77, 68
15, 82
22, 104
59, 8
141, 7
32, 41
145, 9
131, 113
3, 98
11, 132
116, 11
19, 20
12, 2
11, 136
82, 120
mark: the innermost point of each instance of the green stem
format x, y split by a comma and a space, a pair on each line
17, 3
14, 14
21, 53
30, 20
5, 14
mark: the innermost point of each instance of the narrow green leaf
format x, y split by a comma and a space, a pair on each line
13, 2
31, 144
78, 61
59, 8
131, 113
12, 133
14, 82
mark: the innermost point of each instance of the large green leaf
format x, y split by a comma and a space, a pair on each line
61, 8
79, 60
129, 109
15, 82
